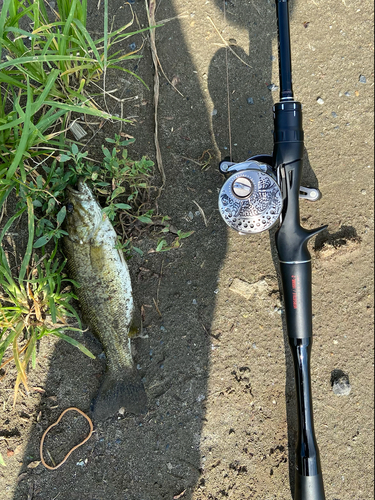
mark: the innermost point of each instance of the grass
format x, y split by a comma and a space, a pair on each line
64, 45
44, 77
35, 304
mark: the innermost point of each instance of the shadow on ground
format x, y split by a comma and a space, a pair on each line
157, 457
154, 456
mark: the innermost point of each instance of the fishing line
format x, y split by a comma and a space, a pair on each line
228, 94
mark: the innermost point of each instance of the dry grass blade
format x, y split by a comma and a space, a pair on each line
157, 308
151, 20
202, 213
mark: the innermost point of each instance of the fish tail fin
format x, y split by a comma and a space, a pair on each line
126, 392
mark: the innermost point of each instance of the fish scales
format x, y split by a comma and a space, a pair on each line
105, 296
105, 302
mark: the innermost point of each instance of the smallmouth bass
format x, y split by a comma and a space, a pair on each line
106, 300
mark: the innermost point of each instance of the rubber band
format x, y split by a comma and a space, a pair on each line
75, 447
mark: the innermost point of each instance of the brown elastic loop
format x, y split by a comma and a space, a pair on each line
75, 447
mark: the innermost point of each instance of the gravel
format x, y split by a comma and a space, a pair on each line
272, 87
340, 383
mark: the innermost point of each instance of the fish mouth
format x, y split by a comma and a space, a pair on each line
80, 190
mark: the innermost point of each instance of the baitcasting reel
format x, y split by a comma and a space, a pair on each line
251, 199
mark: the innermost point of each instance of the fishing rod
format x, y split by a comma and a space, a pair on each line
260, 193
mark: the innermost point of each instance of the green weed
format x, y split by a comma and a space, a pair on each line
35, 304
164, 246
122, 183
63, 44
123, 186
44, 78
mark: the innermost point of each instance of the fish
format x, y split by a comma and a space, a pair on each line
106, 300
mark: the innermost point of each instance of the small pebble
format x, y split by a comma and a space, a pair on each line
132, 46
273, 58
214, 112
347, 94
334, 115
320, 100
195, 302
250, 100
362, 79
363, 191
191, 215
272, 87
340, 383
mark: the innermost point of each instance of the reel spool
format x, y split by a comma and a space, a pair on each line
250, 200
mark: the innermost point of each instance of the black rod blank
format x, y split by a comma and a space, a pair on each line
285, 59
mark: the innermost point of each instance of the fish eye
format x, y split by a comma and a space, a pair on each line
69, 208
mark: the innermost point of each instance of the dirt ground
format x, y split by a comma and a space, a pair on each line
216, 363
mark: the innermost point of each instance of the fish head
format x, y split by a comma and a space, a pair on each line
83, 213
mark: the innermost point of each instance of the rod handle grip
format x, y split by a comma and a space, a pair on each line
296, 281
